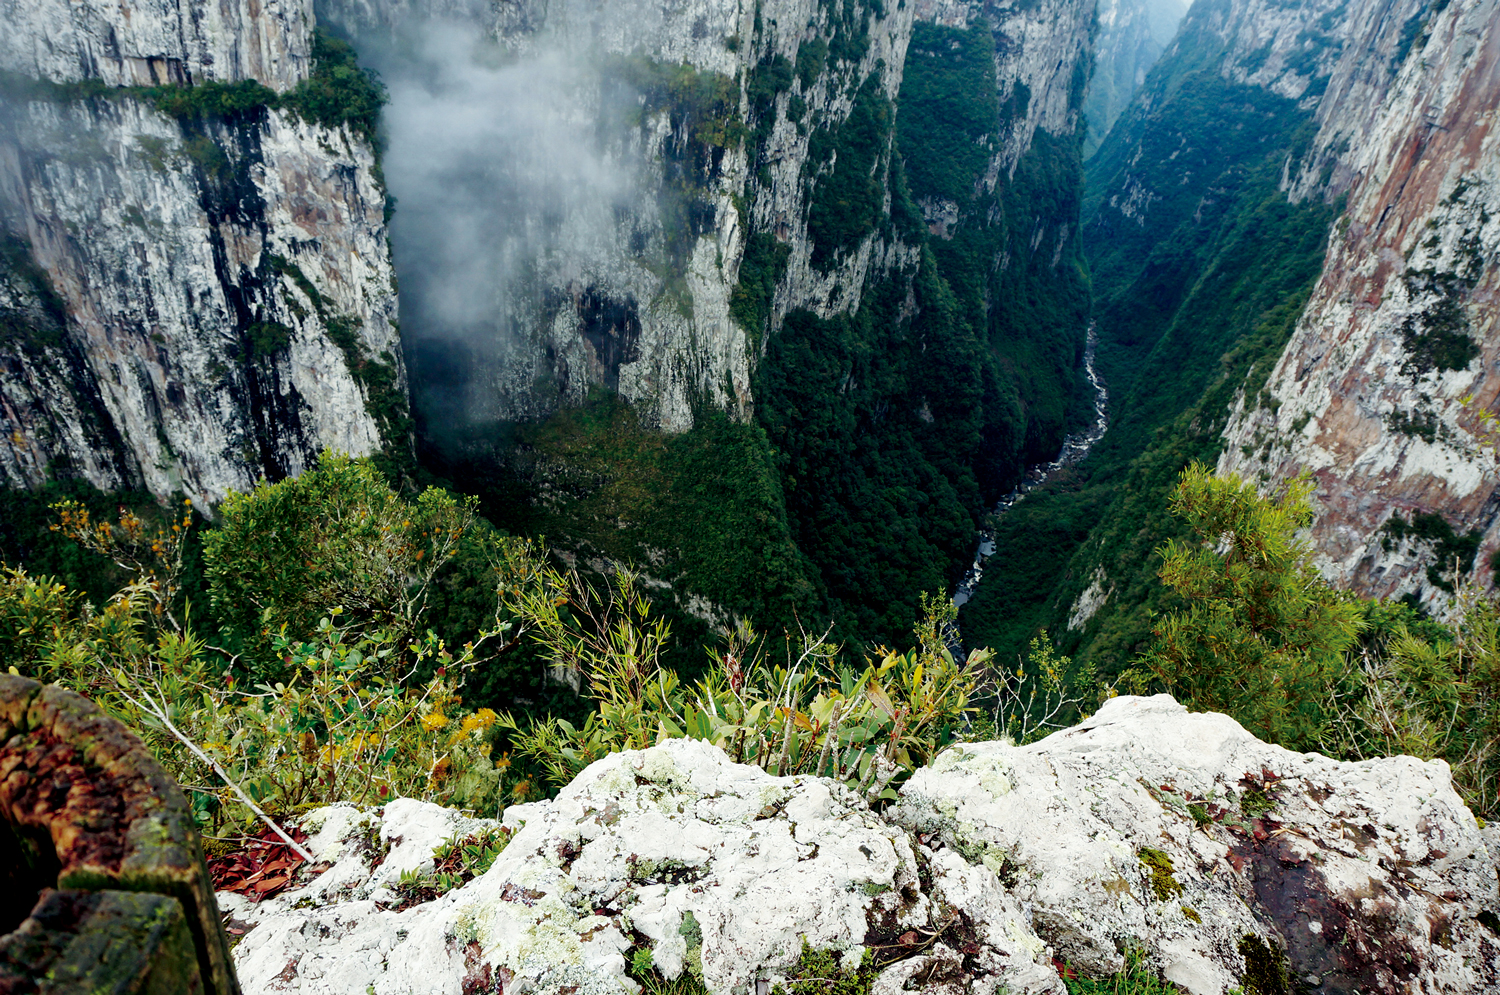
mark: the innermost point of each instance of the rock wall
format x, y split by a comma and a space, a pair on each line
148, 42
1042, 64
1227, 862
1131, 35
1381, 392
224, 302
580, 300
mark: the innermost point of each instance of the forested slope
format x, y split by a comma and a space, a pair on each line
1202, 262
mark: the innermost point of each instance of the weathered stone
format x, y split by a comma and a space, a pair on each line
1216, 854
86, 808
1381, 391
1188, 835
101, 943
223, 288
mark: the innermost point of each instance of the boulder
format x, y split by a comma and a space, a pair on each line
102, 882
1224, 862
1230, 861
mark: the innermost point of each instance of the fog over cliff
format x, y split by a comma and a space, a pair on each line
515, 177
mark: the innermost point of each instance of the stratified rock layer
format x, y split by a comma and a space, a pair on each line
187, 305
1381, 392
1219, 855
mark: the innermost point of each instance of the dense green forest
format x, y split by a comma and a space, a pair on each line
1195, 294
880, 435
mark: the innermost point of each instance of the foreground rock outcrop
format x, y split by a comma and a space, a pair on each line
1229, 862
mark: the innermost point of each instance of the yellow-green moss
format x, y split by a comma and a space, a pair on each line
1159, 865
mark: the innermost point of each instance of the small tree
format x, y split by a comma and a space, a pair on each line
285, 555
1263, 636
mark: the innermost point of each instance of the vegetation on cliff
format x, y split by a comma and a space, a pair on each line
310, 665
1200, 269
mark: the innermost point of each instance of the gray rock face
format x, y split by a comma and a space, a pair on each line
1380, 392
578, 233
1219, 855
1131, 34
149, 42
223, 302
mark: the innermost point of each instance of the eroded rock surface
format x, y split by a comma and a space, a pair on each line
1225, 859
1380, 394
187, 304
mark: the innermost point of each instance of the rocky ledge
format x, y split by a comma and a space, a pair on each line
1227, 862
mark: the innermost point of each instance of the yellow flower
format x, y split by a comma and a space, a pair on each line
434, 720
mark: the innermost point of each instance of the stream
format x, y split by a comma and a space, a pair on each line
1074, 448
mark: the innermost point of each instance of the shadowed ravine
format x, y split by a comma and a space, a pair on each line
1074, 448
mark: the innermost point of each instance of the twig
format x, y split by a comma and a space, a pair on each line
160, 714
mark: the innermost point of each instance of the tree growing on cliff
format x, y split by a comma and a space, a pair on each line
1261, 636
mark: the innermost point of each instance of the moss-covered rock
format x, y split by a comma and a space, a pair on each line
88, 811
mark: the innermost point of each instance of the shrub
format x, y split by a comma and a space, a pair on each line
337, 537
338, 92
1263, 635
801, 713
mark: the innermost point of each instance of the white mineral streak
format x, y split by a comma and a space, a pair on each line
159, 290
149, 42
1415, 252
1005, 858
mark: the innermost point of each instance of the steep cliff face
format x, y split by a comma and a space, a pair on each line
1202, 256
220, 300
617, 210
147, 42
1130, 36
1381, 391
1042, 53
704, 218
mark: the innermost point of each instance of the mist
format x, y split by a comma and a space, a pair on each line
521, 185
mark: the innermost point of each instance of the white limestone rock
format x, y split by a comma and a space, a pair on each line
997, 864
718, 867
1368, 875
163, 264
151, 42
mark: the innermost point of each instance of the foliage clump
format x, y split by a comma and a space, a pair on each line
1136, 979
1265, 968
455, 862
804, 711
1159, 866
1262, 636
819, 972
323, 684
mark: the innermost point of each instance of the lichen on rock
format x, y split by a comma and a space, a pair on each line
996, 864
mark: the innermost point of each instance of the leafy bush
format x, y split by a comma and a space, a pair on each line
1265, 639
322, 703
337, 538
455, 862
802, 713
1429, 695
1263, 635
338, 91
221, 100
